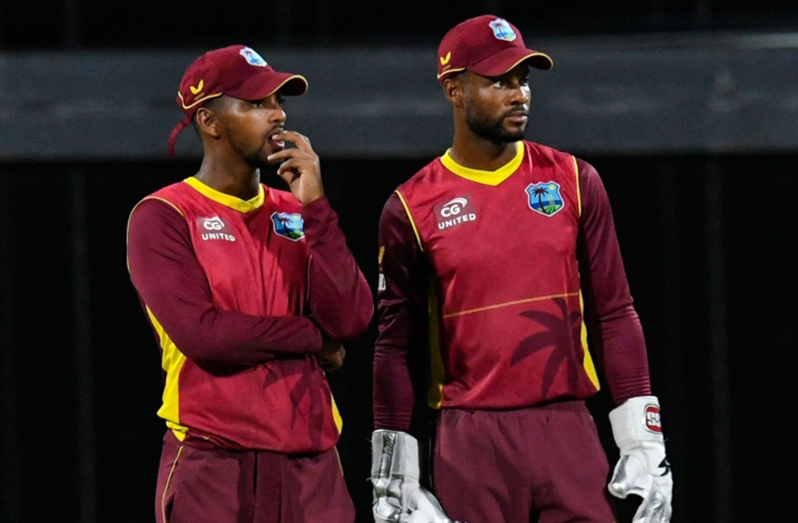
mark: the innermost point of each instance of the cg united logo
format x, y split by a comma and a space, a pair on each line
454, 212
214, 228
652, 420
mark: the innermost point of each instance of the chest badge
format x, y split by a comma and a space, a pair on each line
545, 198
288, 225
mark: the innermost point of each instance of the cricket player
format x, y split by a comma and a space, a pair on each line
497, 259
250, 292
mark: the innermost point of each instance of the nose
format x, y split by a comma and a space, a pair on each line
277, 116
519, 94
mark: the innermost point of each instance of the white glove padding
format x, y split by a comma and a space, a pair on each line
642, 469
398, 496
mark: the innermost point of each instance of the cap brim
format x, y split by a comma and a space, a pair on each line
267, 83
503, 61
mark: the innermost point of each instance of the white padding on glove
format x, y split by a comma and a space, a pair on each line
398, 496
642, 469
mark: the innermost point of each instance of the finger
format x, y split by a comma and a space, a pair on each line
626, 476
301, 141
292, 166
651, 508
281, 156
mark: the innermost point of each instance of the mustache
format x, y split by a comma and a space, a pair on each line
518, 111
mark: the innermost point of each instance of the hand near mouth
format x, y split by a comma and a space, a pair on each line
299, 166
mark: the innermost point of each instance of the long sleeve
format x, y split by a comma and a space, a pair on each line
612, 321
401, 310
340, 297
172, 284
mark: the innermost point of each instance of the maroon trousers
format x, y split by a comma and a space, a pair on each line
541, 464
197, 485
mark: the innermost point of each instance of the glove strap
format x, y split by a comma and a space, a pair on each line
636, 419
394, 454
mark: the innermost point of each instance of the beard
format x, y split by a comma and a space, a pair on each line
492, 130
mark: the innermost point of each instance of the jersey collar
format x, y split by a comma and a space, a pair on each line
227, 200
485, 177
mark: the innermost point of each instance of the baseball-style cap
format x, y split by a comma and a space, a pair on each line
486, 45
236, 71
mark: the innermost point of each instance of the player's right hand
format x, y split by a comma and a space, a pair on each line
398, 496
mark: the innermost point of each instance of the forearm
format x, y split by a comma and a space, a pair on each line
613, 324
340, 298
174, 289
393, 390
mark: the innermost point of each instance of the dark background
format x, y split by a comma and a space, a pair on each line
707, 237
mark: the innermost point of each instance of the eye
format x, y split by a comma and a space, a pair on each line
256, 103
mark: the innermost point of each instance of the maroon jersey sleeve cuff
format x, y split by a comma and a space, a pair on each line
340, 297
401, 311
172, 284
614, 327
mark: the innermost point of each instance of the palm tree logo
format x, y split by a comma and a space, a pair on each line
562, 334
545, 198
289, 226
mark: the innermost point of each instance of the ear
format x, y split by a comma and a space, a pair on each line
454, 89
208, 122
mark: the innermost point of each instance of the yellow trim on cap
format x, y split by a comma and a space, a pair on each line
451, 71
485, 177
527, 57
226, 199
196, 102
307, 85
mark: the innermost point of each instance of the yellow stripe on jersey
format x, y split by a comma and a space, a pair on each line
172, 361
339, 421
485, 177
508, 304
587, 362
438, 371
578, 190
412, 222
227, 200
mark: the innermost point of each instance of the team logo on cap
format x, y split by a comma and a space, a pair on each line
545, 198
502, 30
289, 225
252, 57
445, 59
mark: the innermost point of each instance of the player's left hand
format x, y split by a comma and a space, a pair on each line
299, 167
642, 469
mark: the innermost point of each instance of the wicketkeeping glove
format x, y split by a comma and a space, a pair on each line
642, 469
398, 496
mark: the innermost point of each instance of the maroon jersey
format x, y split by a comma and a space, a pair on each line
232, 316
505, 263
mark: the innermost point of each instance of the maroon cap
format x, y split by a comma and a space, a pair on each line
486, 45
236, 71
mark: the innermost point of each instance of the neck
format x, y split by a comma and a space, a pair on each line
474, 152
240, 180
